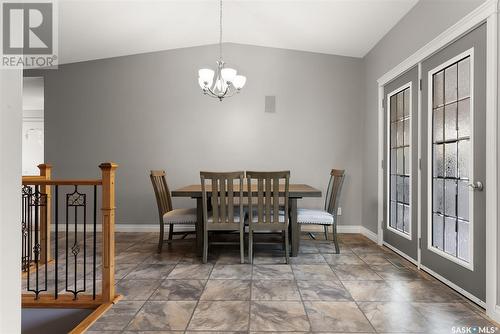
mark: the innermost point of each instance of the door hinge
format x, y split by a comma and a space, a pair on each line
382, 164
420, 163
420, 84
420, 243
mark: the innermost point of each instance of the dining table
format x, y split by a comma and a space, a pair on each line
295, 192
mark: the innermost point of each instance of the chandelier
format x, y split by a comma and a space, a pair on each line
224, 81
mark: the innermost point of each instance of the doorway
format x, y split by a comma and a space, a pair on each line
33, 125
435, 168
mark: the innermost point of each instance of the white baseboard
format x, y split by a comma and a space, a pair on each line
369, 234
494, 314
155, 228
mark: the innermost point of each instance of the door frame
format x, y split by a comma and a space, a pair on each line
485, 13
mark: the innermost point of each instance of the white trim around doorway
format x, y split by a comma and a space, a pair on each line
486, 12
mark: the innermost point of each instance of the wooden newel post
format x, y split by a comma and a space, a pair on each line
45, 218
108, 230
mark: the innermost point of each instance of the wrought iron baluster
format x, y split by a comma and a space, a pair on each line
30, 237
44, 203
75, 200
95, 246
36, 248
75, 249
67, 248
25, 258
84, 245
35, 201
56, 241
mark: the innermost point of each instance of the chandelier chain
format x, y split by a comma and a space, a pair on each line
220, 29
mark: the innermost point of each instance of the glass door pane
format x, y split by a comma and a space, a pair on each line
451, 147
400, 162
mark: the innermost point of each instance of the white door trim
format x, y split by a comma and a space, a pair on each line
486, 12
492, 166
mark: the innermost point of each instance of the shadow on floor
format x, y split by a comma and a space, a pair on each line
51, 321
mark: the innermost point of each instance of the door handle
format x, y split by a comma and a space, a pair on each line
476, 186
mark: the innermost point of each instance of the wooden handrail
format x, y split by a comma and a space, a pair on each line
67, 182
32, 178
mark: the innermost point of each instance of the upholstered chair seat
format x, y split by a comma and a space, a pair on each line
180, 216
311, 216
236, 216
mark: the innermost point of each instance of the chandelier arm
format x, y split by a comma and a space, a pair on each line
213, 94
232, 92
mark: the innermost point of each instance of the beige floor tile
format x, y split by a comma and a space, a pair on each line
163, 315
313, 272
277, 316
372, 291
341, 316
276, 272
231, 289
220, 316
274, 290
354, 272
172, 289
232, 271
190, 271
394, 317
323, 290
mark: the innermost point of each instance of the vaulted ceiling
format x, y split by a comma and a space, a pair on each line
101, 29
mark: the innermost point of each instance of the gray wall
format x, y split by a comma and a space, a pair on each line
147, 112
423, 23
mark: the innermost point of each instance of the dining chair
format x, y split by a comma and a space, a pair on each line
222, 197
328, 216
268, 206
166, 213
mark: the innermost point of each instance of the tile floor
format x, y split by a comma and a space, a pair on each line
365, 289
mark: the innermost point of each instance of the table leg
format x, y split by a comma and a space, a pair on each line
295, 227
199, 226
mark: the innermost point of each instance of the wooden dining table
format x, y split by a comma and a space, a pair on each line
295, 192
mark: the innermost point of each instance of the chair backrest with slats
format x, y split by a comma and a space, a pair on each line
162, 193
265, 197
224, 193
333, 191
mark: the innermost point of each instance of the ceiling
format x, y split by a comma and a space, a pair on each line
101, 29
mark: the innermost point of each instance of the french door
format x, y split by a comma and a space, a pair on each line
401, 163
450, 243
453, 132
